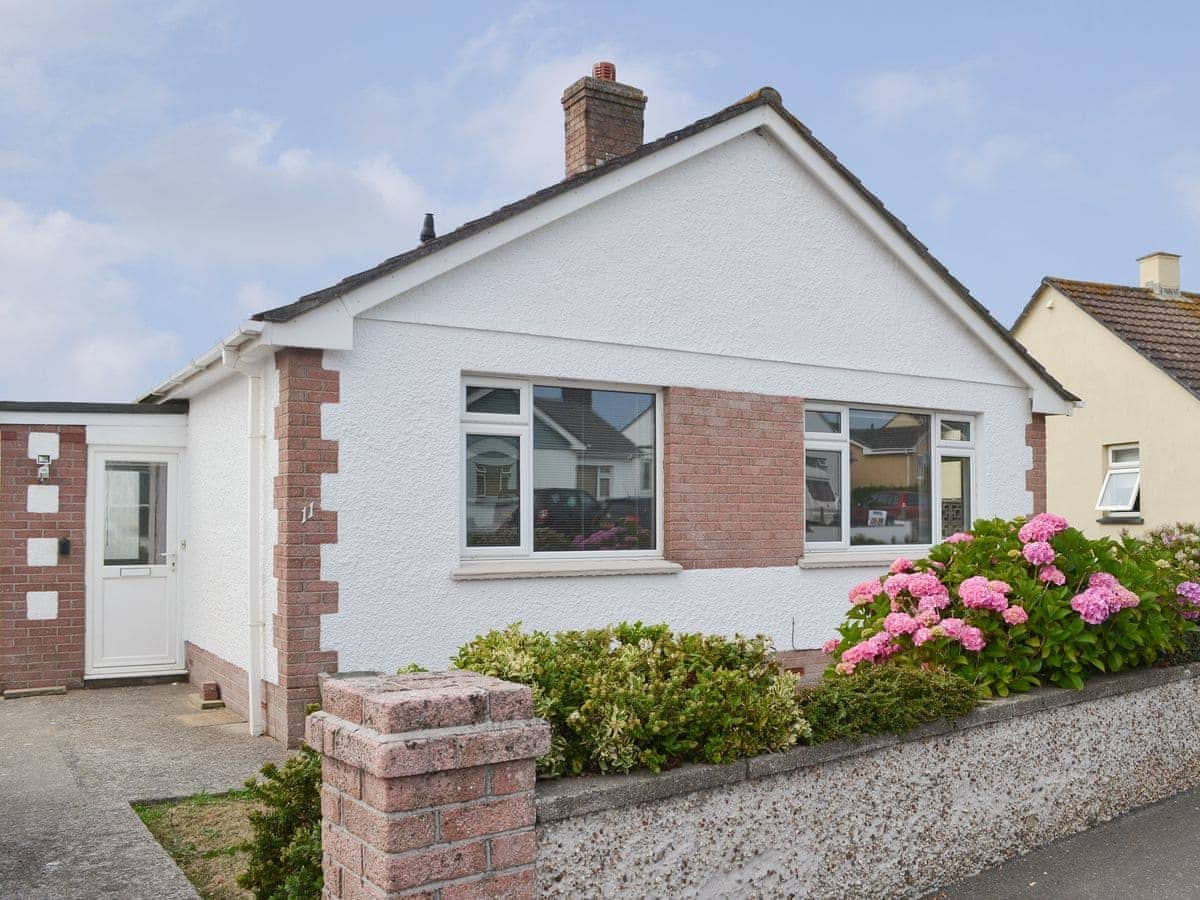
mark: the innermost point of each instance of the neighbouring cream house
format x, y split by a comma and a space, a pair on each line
1128, 458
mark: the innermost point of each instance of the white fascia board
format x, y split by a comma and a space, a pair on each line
206, 370
1045, 398
148, 421
362, 299
327, 327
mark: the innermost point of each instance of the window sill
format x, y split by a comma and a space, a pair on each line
493, 569
847, 559
1121, 520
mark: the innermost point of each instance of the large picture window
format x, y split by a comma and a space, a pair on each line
558, 469
890, 477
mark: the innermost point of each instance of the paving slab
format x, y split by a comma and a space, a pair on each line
70, 766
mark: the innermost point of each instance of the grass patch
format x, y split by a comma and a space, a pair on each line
206, 835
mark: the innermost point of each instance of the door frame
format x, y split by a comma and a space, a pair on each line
98, 454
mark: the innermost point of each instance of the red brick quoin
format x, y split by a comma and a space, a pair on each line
428, 786
1035, 476
304, 385
733, 492
42, 652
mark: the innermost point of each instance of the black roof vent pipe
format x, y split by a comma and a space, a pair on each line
427, 232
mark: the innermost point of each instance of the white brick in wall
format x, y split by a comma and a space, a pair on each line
41, 551
41, 605
41, 498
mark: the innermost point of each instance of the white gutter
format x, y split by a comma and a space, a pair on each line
244, 334
255, 444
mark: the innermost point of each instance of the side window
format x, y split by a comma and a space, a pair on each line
1120, 491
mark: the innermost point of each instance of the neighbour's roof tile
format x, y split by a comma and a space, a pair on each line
1163, 329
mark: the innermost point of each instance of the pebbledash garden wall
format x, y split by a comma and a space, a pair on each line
429, 790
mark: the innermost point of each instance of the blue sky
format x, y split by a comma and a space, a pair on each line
168, 168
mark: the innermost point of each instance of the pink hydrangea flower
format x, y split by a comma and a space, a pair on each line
902, 564
864, 592
831, 645
1092, 605
845, 668
1189, 597
1015, 615
1052, 575
1038, 553
960, 537
921, 635
971, 638
1114, 594
951, 628
925, 584
927, 616
1102, 580
896, 584
1042, 527
898, 623
979, 593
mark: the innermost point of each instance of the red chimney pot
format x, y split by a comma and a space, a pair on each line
604, 71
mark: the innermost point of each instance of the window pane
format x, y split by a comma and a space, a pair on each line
1119, 490
823, 495
1125, 454
135, 513
889, 478
953, 430
493, 490
956, 494
818, 422
503, 401
593, 470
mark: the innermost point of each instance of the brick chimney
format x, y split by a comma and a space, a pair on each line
1160, 272
604, 119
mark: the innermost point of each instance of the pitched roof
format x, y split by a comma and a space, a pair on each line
1163, 329
766, 96
586, 425
890, 439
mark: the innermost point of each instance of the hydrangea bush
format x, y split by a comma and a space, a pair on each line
1015, 604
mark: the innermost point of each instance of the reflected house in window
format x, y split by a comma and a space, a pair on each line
889, 477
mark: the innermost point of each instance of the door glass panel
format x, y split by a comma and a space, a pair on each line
135, 513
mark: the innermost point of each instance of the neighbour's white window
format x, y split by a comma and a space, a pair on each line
1120, 492
558, 468
890, 477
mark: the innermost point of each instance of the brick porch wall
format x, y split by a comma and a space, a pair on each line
203, 665
304, 385
733, 491
42, 652
1035, 476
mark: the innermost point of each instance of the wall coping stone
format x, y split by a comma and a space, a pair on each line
570, 797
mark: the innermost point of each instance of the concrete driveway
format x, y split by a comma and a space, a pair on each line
69, 767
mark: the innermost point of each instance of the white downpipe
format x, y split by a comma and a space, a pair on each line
255, 442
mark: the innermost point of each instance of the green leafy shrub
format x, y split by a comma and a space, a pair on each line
878, 699
1015, 604
1178, 546
285, 852
636, 696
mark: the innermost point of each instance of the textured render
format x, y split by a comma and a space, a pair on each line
773, 290
428, 785
37, 650
895, 818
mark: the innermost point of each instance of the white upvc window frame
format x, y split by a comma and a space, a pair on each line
522, 426
1121, 510
840, 442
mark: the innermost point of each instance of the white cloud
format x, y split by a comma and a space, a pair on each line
72, 328
982, 164
890, 97
227, 191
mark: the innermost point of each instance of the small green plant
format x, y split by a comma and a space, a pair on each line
411, 669
636, 696
878, 699
285, 852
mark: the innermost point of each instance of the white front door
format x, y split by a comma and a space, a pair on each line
133, 602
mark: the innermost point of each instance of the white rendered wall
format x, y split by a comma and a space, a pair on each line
731, 272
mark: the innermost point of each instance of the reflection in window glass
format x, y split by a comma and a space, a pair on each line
499, 401
593, 469
955, 430
823, 495
956, 494
493, 490
135, 513
889, 478
820, 422
1119, 491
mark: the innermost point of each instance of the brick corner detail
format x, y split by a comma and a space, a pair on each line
1035, 476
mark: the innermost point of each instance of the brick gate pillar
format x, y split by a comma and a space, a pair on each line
428, 785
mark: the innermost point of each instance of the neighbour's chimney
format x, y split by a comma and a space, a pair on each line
428, 232
1160, 272
604, 119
